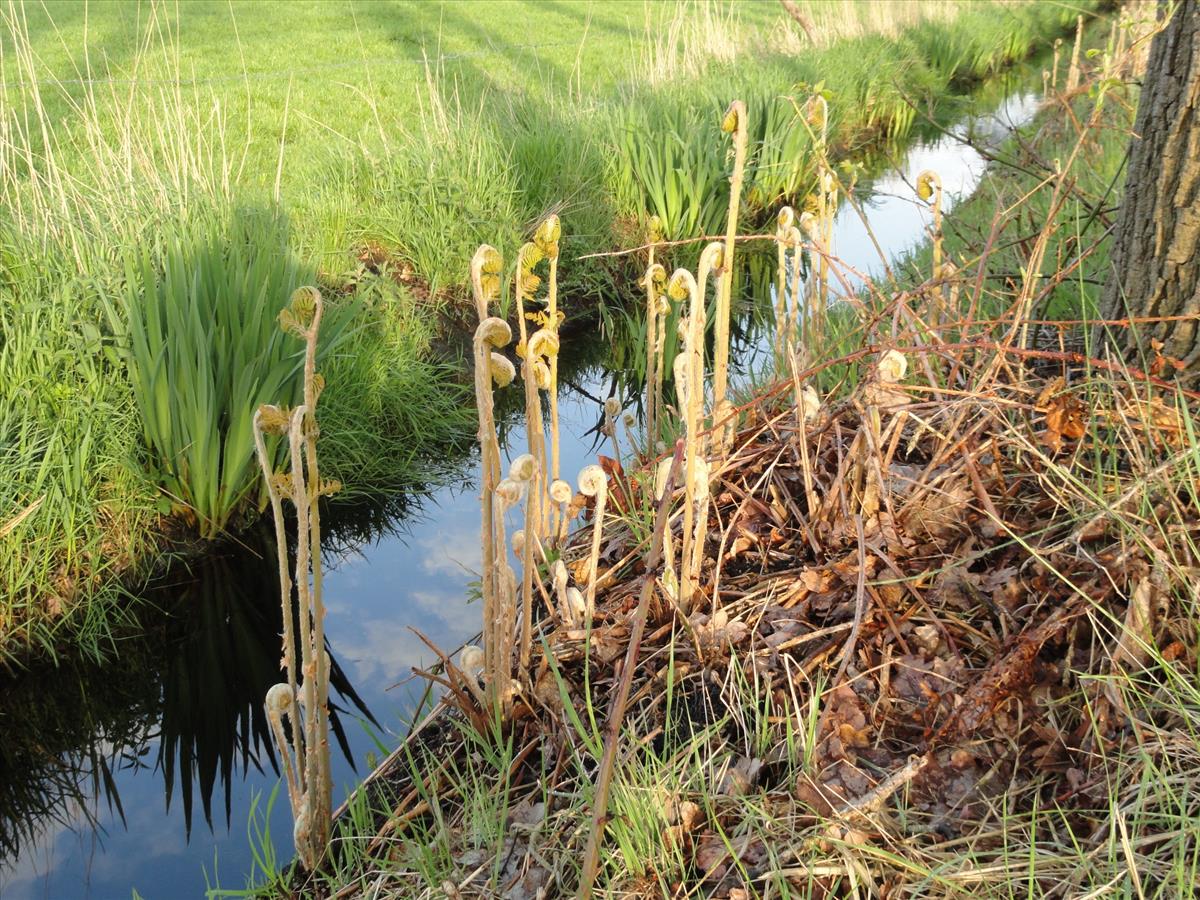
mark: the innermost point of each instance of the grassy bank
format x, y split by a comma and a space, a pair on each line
370, 149
941, 639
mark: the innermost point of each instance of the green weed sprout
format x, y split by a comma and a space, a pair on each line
309, 784
733, 123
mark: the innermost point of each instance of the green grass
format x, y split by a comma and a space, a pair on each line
400, 133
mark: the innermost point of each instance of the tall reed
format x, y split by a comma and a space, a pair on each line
203, 354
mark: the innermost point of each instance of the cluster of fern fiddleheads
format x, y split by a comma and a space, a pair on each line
306, 755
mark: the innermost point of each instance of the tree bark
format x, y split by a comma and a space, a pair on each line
1155, 270
802, 19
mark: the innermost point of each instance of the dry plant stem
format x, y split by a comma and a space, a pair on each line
859, 613
591, 857
735, 121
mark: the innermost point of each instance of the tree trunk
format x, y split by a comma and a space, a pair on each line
802, 19
1155, 270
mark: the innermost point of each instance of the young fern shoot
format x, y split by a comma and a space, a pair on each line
594, 483
535, 370
524, 471
491, 368
657, 308
306, 760
733, 123
817, 116
929, 189
689, 380
787, 297
547, 238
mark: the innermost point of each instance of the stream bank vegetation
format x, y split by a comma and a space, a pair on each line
937, 635
151, 202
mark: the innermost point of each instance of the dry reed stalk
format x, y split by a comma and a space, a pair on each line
734, 123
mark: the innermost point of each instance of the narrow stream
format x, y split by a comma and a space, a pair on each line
138, 778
